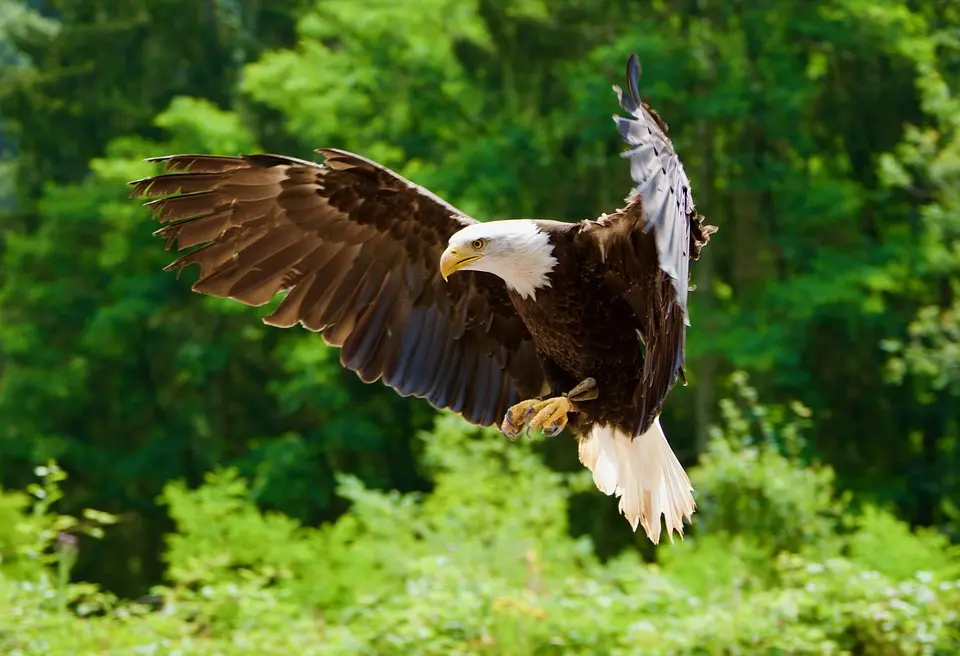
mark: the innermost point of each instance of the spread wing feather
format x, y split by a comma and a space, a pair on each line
356, 248
661, 183
648, 245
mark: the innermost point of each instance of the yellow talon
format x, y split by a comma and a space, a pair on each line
552, 413
516, 418
549, 415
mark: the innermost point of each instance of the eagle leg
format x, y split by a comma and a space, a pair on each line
547, 415
586, 390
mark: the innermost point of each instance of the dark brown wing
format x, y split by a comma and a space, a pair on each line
648, 245
357, 248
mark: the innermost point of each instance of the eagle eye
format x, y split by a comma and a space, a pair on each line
478, 244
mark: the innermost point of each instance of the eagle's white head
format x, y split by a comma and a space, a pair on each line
516, 250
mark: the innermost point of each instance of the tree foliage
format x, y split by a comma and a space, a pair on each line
821, 136
484, 564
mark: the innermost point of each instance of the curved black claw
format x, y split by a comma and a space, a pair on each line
554, 430
510, 430
529, 414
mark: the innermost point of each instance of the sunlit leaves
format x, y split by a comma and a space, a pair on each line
485, 564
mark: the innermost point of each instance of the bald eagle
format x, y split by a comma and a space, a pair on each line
528, 324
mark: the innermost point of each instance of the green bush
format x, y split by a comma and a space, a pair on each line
484, 564
756, 498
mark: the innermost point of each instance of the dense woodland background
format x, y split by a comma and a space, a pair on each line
280, 504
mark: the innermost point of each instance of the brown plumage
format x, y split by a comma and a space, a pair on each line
359, 251
613, 314
356, 247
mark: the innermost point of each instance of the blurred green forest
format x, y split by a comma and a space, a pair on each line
248, 495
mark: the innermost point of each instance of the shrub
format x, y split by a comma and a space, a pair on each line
483, 564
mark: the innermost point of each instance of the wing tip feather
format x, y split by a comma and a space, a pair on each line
634, 71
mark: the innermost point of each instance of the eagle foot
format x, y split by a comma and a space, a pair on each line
547, 415
586, 390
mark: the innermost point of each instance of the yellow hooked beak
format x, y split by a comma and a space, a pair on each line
452, 261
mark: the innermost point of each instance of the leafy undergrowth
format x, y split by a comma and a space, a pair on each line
484, 565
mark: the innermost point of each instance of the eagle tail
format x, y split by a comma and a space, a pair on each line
644, 473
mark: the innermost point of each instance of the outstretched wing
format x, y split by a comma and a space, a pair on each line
648, 245
661, 184
357, 249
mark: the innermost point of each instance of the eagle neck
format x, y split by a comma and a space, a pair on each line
530, 265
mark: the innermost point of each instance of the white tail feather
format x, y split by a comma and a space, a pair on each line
644, 473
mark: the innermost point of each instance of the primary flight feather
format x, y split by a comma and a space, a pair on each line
523, 323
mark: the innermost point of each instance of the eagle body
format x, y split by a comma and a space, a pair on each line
523, 323
582, 327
